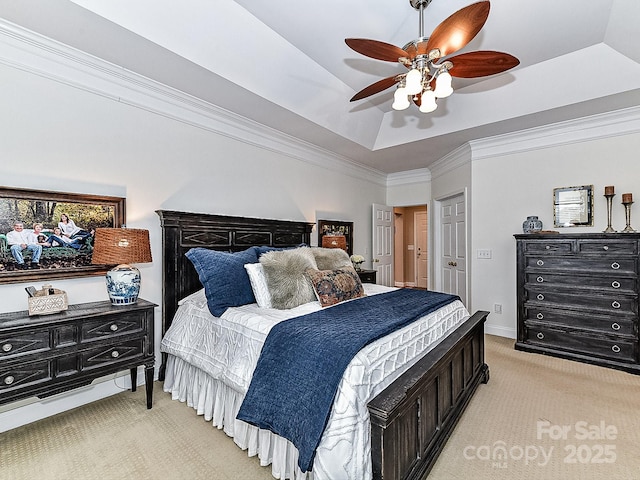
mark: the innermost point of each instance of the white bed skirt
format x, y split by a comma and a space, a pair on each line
219, 404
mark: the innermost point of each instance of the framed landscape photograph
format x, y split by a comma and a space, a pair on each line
60, 225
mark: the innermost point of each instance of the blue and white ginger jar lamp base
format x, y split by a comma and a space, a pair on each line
123, 284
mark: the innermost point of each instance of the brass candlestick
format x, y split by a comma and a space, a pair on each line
609, 198
627, 213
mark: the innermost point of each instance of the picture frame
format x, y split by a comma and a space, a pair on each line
73, 257
573, 206
336, 227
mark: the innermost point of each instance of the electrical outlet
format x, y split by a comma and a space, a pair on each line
497, 307
484, 253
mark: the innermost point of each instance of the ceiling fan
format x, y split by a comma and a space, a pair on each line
427, 58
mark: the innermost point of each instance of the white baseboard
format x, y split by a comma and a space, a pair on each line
500, 331
32, 409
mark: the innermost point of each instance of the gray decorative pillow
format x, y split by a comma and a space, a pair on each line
331, 258
287, 281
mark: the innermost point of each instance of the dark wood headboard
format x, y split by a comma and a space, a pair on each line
182, 231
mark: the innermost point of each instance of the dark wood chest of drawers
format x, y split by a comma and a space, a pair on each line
48, 354
367, 276
578, 297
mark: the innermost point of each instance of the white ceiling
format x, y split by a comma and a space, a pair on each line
284, 63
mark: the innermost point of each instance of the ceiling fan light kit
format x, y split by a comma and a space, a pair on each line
430, 67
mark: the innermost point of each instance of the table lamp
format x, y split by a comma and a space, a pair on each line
121, 247
334, 241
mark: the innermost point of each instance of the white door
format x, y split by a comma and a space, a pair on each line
421, 265
382, 244
454, 246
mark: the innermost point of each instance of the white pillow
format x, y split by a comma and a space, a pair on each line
259, 284
197, 298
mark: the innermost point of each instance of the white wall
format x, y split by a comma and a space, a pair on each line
517, 180
73, 135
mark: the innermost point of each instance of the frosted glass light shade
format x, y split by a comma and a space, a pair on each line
400, 99
414, 82
443, 85
428, 101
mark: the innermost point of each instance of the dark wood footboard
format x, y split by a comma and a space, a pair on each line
412, 419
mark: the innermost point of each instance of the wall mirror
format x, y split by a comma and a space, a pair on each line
573, 206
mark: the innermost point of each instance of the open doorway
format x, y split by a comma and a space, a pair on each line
411, 260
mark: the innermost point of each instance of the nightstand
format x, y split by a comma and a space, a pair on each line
367, 276
47, 354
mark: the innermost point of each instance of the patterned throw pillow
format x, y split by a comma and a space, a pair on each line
335, 286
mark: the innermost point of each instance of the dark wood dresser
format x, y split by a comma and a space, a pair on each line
578, 297
367, 276
48, 354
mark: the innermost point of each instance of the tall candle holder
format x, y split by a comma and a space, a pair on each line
627, 213
609, 198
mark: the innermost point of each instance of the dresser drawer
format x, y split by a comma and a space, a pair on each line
24, 343
112, 327
25, 374
577, 342
611, 283
551, 247
623, 325
586, 301
101, 356
605, 248
619, 264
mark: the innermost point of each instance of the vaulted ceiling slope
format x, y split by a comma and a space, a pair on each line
284, 64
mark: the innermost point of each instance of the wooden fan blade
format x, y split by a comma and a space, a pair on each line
376, 49
481, 63
374, 88
458, 29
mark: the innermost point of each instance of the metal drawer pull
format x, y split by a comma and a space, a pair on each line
606, 247
615, 284
615, 349
540, 263
615, 265
539, 279
539, 316
540, 335
615, 304
113, 327
615, 326
9, 380
115, 354
540, 296
548, 247
7, 347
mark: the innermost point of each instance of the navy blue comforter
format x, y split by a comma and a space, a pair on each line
303, 360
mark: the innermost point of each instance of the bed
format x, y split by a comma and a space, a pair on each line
407, 418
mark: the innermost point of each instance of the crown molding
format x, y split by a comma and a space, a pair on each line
604, 125
419, 175
36, 54
452, 160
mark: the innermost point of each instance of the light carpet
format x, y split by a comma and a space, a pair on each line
538, 417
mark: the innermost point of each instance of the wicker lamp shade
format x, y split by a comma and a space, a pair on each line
122, 246
334, 241
113, 246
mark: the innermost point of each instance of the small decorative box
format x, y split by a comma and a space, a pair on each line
48, 300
